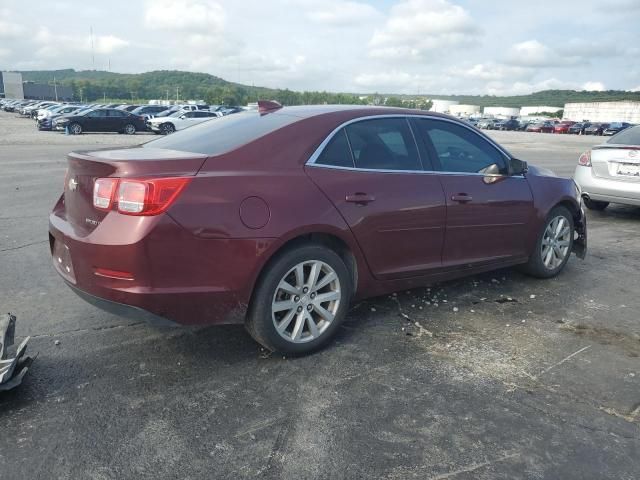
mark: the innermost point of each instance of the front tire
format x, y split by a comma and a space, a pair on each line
554, 245
300, 301
129, 129
167, 128
75, 129
594, 204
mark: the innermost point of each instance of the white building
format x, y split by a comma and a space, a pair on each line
442, 106
464, 110
524, 111
603, 111
11, 85
501, 112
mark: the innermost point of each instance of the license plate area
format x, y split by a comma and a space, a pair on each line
62, 261
628, 169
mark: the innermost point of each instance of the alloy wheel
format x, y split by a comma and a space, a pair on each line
556, 242
306, 301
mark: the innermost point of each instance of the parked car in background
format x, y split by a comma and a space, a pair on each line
128, 108
279, 218
486, 123
524, 124
179, 120
579, 128
596, 129
147, 110
563, 126
610, 172
101, 120
541, 127
508, 125
46, 121
615, 127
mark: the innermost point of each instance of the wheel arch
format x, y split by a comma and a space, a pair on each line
345, 248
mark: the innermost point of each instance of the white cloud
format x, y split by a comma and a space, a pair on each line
594, 87
491, 72
52, 45
337, 13
4, 52
418, 27
395, 81
532, 53
202, 15
9, 28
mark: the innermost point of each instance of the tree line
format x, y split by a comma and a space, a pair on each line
92, 85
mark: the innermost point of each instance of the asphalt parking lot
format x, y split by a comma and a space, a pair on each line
497, 376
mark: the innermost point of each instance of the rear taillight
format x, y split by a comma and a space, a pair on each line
103, 192
138, 196
585, 159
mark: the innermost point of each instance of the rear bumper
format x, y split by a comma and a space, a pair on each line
122, 310
606, 189
176, 277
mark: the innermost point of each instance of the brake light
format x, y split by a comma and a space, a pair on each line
585, 159
103, 192
137, 196
149, 197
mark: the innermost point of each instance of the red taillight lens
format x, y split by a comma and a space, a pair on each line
585, 159
149, 197
137, 197
103, 192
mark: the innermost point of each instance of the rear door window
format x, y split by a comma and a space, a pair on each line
383, 144
337, 152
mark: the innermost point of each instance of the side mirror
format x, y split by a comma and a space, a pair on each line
518, 167
182, 117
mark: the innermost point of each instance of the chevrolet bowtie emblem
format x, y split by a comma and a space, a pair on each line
73, 184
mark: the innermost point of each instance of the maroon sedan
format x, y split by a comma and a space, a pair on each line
279, 218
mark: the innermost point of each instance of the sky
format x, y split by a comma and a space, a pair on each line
495, 47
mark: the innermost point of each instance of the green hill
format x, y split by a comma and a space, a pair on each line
90, 85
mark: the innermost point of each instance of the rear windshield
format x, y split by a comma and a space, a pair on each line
630, 136
221, 135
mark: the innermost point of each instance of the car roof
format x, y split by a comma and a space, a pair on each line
355, 111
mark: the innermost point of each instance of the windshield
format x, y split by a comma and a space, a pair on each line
629, 136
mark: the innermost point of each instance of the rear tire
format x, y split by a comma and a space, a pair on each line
553, 247
595, 204
300, 300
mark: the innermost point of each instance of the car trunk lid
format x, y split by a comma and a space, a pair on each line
85, 167
619, 162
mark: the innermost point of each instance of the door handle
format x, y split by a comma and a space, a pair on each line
461, 198
360, 198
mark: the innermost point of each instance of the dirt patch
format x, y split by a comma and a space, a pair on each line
629, 342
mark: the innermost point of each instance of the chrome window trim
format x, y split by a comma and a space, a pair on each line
318, 151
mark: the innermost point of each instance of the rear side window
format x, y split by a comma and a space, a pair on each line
383, 144
459, 149
630, 136
225, 134
337, 152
